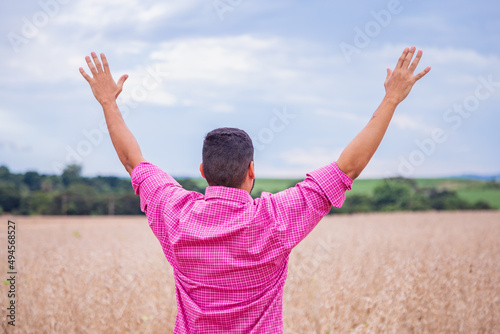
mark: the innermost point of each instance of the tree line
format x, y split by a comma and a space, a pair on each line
70, 193
67, 194
401, 194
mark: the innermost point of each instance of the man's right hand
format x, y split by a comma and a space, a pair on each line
399, 82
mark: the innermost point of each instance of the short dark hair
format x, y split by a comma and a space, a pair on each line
227, 154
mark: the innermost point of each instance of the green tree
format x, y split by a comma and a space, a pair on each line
128, 204
4, 173
393, 195
77, 199
33, 180
71, 174
356, 203
10, 197
40, 203
481, 205
419, 201
448, 200
189, 184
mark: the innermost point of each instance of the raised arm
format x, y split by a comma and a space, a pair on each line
106, 90
398, 85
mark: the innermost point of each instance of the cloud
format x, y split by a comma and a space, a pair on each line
14, 147
223, 108
406, 122
12, 125
341, 115
219, 61
310, 158
142, 14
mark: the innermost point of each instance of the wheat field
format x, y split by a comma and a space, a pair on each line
369, 273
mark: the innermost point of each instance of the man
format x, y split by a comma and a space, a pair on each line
229, 252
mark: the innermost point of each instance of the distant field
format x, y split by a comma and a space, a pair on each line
470, 190
491, 196
423, 272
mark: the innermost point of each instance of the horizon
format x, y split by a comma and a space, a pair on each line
467, 176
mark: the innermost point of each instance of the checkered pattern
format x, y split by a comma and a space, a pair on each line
229, 252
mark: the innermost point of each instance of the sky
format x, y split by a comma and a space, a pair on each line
302, 78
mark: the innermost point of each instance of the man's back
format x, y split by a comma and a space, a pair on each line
226, 256
230, 252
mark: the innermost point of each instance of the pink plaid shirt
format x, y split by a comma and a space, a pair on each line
230, 252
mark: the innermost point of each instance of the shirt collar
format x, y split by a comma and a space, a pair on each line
226, 193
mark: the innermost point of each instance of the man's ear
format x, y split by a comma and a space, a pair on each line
251, 172
201, 171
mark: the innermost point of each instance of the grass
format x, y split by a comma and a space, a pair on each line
490, 196
364, 187
378, 273
273, 185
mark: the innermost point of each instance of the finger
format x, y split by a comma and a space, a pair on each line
409, 57
402, 58
85, 75
105, 63
120, 84
91, 66
423, 73
389, 72
415, 62
121, 81
97, 62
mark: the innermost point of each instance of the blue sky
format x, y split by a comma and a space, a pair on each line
302, 78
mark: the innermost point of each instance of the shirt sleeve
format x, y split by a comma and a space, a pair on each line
299, 209
147, 181
162, 199
154, 188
